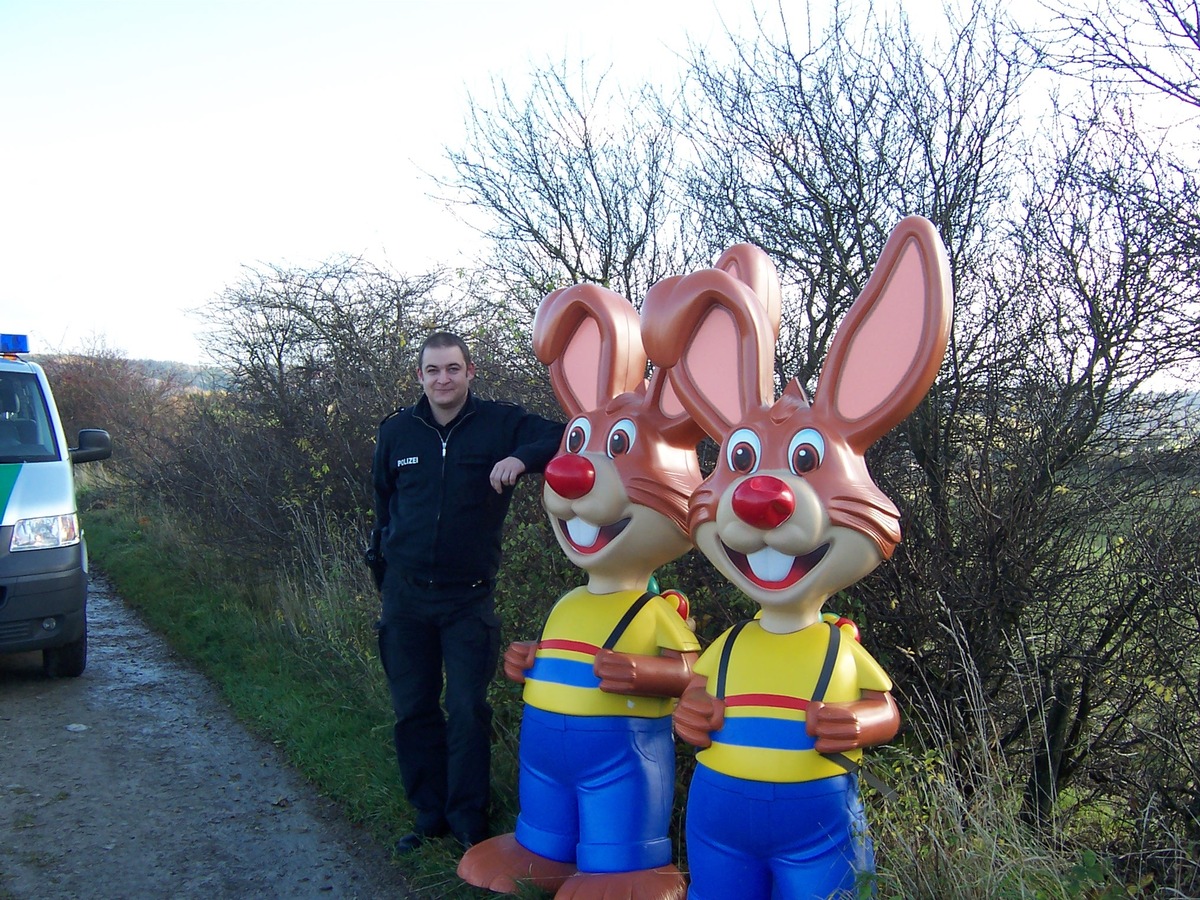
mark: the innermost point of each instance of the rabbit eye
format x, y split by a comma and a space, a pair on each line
621, 438
743, 451
806, 451
579, 432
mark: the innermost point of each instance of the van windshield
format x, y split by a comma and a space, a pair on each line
25, 431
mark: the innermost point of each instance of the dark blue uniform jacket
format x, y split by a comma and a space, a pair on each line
437, 517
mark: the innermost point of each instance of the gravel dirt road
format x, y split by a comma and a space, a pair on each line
135, 781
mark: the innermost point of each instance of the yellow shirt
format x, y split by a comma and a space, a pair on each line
769, 680
562, 680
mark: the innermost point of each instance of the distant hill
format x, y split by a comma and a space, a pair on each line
188, 376
203, 378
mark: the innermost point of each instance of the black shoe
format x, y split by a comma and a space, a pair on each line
410, 842
415, 839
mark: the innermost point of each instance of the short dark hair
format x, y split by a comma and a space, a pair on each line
444, 339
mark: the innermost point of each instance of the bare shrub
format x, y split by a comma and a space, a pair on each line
315, 359
138, 406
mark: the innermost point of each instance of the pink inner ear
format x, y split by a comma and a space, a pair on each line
670, 402
713, 365
581, 364
883, 349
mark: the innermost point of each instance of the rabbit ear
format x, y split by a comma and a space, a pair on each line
663, 406
751, 266
588, 337
887, 351
714, 335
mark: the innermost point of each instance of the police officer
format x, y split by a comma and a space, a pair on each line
443, 474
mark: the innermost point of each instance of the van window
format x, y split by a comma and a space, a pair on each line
26, 434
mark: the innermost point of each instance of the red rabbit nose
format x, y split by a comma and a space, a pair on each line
763, 501
570, 476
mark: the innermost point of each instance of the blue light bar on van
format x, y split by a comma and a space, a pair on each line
14, 343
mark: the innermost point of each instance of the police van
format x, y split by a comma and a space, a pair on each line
43, 557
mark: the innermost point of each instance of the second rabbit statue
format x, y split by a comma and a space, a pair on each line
781, 705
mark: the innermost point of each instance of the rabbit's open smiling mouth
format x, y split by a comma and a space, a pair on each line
770, 569
585, 537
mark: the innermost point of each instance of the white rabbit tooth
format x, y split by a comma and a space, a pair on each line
768, 564
581, 533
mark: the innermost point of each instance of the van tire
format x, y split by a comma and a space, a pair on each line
67, 661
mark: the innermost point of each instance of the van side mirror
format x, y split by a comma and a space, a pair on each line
94, 444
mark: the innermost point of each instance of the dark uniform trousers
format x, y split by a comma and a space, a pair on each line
444, 758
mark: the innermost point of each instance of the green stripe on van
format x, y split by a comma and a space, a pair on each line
9, 472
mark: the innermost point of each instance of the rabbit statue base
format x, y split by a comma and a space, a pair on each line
503, 866
663, 883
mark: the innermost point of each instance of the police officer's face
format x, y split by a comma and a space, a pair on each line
445, 377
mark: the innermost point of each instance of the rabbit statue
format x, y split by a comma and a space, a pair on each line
597, 755
782, 704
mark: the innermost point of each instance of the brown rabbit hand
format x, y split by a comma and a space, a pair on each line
839, 727
519, 658
698, 714
651, 676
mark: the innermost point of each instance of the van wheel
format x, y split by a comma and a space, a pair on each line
67, 661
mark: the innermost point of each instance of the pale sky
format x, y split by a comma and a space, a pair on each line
152, 149
149, 149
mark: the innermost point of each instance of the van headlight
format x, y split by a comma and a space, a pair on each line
45, 532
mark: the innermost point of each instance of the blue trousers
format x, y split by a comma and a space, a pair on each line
757, 840
596, 790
